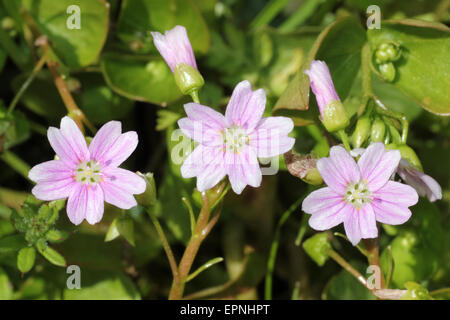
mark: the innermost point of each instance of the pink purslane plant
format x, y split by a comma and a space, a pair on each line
231, 144
359, 194
88, 176
175, 47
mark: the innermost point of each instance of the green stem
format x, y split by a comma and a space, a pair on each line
306, 9
439, 291
166, 246
366, 71
266, 15
274, 249
16, 163
344, 138
27, 82
373, 249
194, 96
348, 267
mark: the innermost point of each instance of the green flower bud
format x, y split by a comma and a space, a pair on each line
377, 131
387, 70
415, 292
188, 78
362, 131
303, 167
410, 155
334, 116
387, 52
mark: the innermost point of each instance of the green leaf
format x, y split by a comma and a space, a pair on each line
165, 119
6, 290
416, 292
339, 45
139, 17
75, 47
125, 226
136, 78
56, 236
52, 256
25, 259
317, 248
113, 231
103, 285
423, 71
204, 267
12, 243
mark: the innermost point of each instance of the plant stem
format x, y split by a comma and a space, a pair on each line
301, 15
344, 138
266, 15
274, 249
64, 92
194, 96
439, 291
366, 72
344, 264
16, 163
166, 245
27, 82
373, 250
176, 292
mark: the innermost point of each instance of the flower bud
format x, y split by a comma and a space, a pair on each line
387, 52
387, 70
377, 131
303, 167
410, 155
362, 131
333, 114
187, 78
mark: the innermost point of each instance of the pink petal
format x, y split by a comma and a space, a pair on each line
206, 115
243, 169
50, 171
205, 163
104, 139
201, 132
377, 165
245, 107
270, 137
86, 202
128, 180
338, 170
390, 213
391, 203
68, 142
351, 226
397, 193
321, 199
54, 189
423, 183
321, 84
120, 150
118, 190
175, 47
329, 218
367, 222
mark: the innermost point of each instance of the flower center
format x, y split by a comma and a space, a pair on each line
235, 138
357, 194
88, 172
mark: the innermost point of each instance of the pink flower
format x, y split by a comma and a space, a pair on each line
175, 47
230, 144
424, 184
359, 194
88, 176
321, 84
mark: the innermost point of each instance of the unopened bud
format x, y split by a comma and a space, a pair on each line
303, 167
387, 70
188, 78
377, 131
334, 116
362, 131
148, 198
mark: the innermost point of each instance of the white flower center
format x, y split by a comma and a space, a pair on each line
88, 172
357, 194
235, 138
